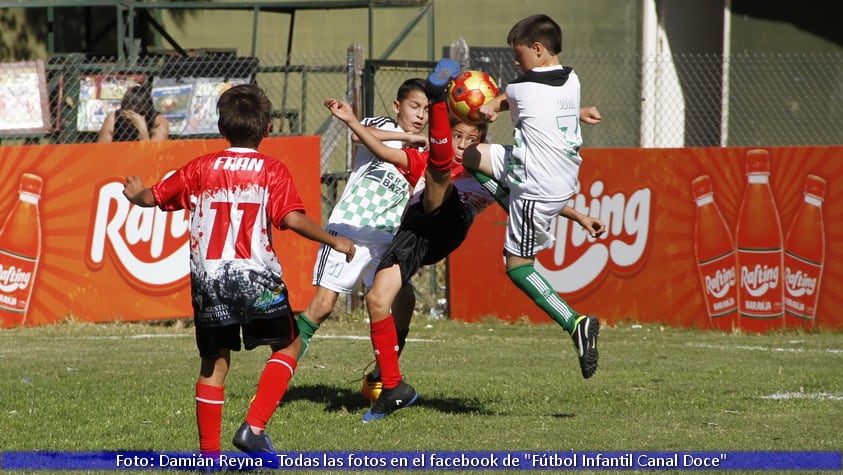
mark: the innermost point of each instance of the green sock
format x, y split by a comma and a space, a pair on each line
540, 291
306, 330
499, 192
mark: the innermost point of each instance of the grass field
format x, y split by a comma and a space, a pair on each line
489, 386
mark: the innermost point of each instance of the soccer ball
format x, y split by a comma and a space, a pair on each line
469, 91
371, 390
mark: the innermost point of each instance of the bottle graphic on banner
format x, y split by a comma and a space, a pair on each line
804, 253
20, 249
759, 243
715, 252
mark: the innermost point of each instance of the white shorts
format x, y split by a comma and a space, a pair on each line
333, 273
528, 225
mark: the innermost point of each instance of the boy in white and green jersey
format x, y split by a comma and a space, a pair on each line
369, 212
540, 169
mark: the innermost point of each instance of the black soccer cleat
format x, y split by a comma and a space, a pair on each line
585, 333
257, 446
391, 400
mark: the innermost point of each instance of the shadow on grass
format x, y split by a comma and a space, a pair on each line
335, 399
338, 399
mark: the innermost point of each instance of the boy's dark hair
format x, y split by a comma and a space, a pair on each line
410, 85
245, 113
537, 28
482, 127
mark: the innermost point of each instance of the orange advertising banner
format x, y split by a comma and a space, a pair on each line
696, 237
72, 246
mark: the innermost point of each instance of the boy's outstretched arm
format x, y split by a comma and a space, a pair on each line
138, 194
343, 111
489, 111
410, 139
592, 225
305, 227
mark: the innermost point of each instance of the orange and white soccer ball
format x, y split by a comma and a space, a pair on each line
467, 92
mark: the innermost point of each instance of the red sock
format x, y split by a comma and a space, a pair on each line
385, 344
209, 401
441, 150
273, 384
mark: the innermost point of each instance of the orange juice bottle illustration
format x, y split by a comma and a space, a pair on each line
759, 242
20, 249
715, 252
804, 253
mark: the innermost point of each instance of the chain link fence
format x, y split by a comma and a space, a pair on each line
675, 101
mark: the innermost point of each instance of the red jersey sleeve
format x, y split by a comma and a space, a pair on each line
174, 192
416, 165
283, 195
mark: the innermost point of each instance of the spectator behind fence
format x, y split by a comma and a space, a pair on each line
135, 120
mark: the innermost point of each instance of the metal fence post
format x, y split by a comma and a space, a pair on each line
355, 95
71, 74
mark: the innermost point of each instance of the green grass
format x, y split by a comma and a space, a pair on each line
489, 386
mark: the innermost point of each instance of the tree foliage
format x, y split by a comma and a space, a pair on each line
23, 34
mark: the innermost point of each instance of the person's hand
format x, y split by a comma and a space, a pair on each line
593, 226
345, 246
133, 188
136, 119
340, 109
487, 112
418, 140
590, 115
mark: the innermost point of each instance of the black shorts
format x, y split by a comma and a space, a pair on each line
425, 239
260, 331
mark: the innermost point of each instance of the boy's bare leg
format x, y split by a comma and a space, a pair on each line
321, 305
385, 287
404, 306
437, 189
317, 311
477, 157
